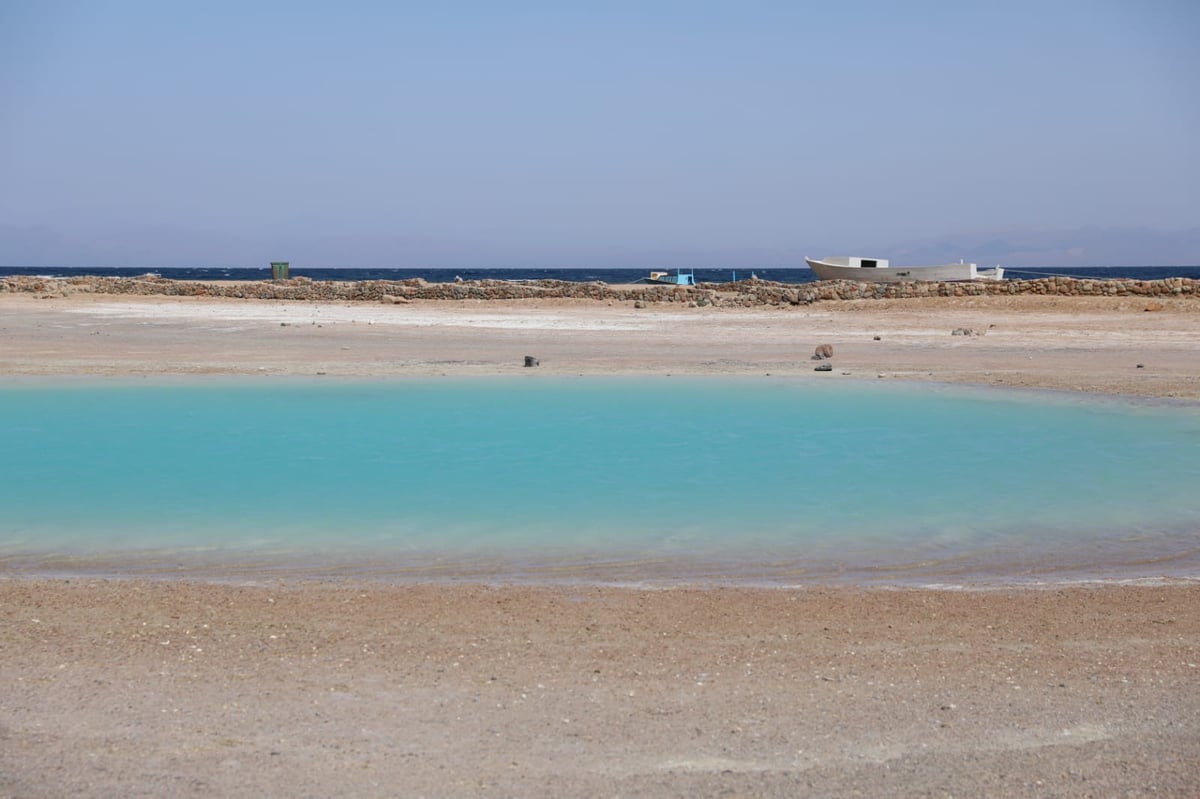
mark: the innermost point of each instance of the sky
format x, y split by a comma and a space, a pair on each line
598, 134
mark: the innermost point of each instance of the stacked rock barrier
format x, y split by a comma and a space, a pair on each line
739, 294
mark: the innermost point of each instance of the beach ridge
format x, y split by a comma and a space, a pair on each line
742, 293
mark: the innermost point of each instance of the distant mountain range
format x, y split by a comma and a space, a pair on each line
1081, 247
153, 248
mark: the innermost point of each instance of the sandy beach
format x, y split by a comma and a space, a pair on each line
350, 688
1093, 344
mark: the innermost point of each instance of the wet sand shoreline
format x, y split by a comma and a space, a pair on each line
345, 687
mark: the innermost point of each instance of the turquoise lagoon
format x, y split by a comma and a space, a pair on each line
626, 480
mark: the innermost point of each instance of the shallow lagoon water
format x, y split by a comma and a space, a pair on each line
631, 480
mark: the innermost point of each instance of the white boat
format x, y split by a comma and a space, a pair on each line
877, 270
680, 278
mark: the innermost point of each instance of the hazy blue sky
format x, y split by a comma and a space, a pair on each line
590, 134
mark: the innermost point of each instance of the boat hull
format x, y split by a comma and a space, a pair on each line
680, 278
890, 274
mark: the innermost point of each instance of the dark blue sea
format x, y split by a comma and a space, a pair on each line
615, 276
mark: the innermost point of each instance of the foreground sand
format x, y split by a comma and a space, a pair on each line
154, 689
306, 689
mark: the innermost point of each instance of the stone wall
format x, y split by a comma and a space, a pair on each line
740, 294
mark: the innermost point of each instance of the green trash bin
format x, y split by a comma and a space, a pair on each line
279, 270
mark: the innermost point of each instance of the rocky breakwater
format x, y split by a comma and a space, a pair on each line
385, 291
1057, 286
743, 293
